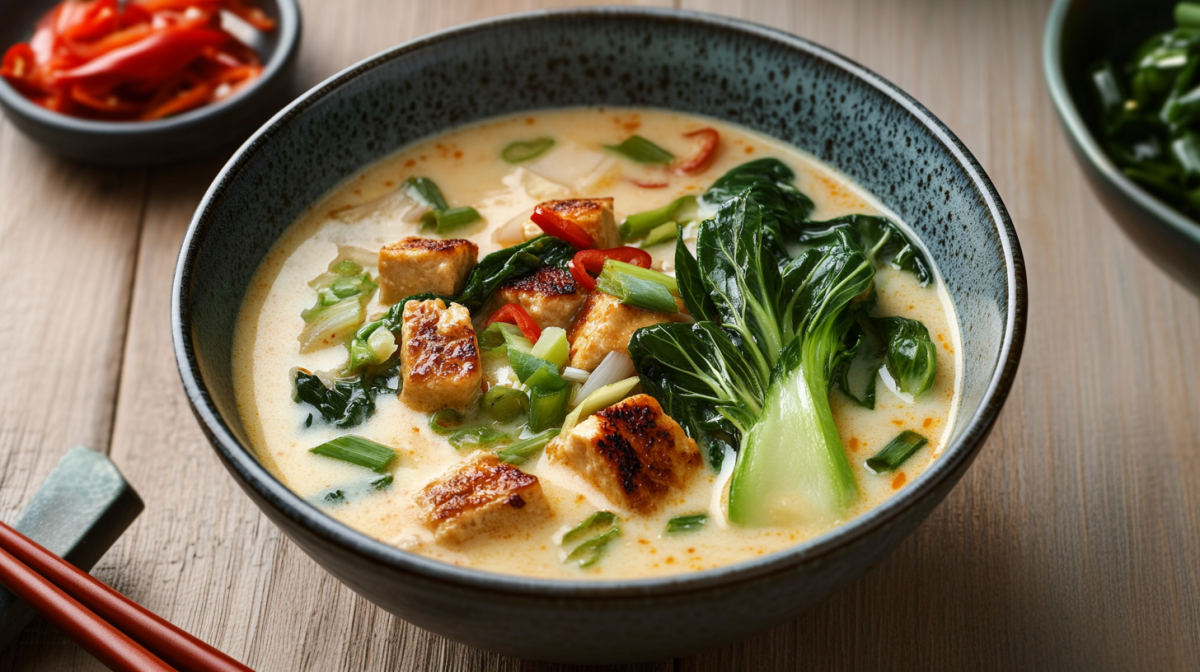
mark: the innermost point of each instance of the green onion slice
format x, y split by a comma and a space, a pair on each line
426, 192
479, 436
357, 450
520, 151
522, 450
689, 523
505, 403
604, 525
636, 292
548, 407
446, 421
639, 224
668, 232
642, 150
895, 453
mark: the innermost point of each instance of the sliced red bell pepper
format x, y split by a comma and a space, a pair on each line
154, 59
705, 151
586, 262
513, 313
558, 226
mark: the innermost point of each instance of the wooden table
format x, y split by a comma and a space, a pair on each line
1073, 542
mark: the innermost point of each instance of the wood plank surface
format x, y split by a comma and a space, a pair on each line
1072, 543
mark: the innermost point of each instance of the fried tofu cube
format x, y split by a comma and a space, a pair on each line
604, 325
631, 451
439, 357
549, 295
481, 496
594, 215
418, 265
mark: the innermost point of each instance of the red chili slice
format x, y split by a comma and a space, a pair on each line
558, 226
513, 313
709, 138
649, 185
586, 262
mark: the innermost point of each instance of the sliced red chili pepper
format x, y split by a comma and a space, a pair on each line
153, 59
586, 262
558, 226
18, 64
707, 149
182, 101
645, 184
513, 313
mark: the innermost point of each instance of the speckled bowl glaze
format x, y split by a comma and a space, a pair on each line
1078, 33
750, 75
199, 132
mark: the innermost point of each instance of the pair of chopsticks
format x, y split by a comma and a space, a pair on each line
115, 630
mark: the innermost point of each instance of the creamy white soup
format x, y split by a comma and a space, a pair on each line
515, 522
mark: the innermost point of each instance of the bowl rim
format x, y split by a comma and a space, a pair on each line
289, 39
1077, 129
246, 466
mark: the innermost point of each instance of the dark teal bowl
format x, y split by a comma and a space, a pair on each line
750, 75
1078, 33
204, 131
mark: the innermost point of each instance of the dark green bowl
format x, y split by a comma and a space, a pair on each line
1078, 33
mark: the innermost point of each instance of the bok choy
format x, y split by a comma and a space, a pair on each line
753, 373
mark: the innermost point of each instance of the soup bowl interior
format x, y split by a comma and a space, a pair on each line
749, 75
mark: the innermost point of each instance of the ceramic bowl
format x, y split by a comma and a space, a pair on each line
198, 132
747, 74
1078, 33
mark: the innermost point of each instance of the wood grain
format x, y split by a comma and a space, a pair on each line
1072, 543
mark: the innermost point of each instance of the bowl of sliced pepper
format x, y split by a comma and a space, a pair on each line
145, 82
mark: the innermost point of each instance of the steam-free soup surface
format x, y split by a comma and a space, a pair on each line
467, 165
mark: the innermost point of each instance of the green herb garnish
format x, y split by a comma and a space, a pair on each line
637, 225
479, 436
895, 453
605, 527
446, 421
504, 404
521, 451
642, 150
520, 151
690, 523
358, 450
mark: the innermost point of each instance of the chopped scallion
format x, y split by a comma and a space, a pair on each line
520, 151
547, 407
895, 453
644, 274
668, 232
600, 399
479, 436
446, 421
382, 482
637, 225
604, 525
425, 191
525, 364
522, 450
445, 221
504, 403
642, 150
636, 292
357, 450
553, 346
690, 523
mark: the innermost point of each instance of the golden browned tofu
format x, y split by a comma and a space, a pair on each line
594, 215
418, 265
604, 325
549, 295
481, 496
631, 451
439, 357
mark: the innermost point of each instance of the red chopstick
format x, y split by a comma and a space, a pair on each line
47, 583
106, 643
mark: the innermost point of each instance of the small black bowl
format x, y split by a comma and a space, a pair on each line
195, 133
1078, 33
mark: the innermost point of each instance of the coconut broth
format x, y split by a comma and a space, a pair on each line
466, 164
